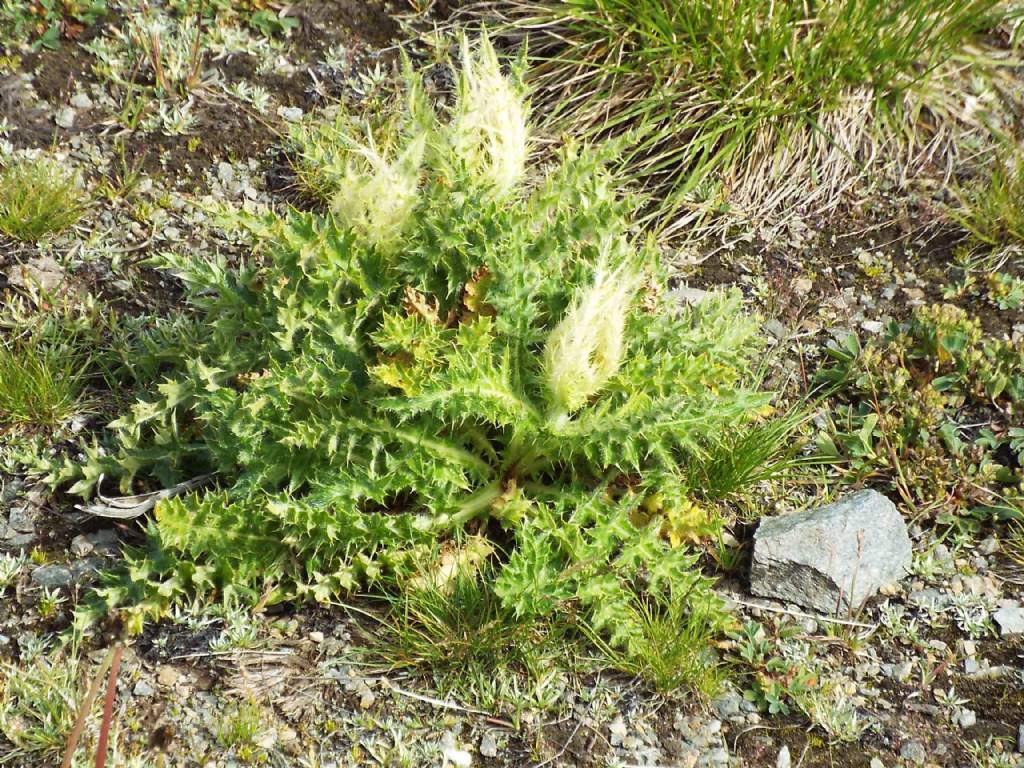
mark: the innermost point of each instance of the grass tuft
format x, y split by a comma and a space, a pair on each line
736, 105
41, 381
38, 198
992, 210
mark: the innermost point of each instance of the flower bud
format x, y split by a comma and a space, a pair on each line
489, 127
585, 348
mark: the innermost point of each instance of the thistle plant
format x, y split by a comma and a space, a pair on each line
484, 371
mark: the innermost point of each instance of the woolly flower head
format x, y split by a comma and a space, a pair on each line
376, 196
489, 126
585, 348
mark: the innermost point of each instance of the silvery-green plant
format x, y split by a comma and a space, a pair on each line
487, 368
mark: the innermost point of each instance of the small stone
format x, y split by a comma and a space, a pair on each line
970, 647
167, 676
1020, 738
684, 295
783, 760
873, 326
834, 557
225, 173
719, 756
316, 637
971, 666
876, 763
914, 751
488, 745
81, 100
290, 114
989, 546
458, 757
1010, 620
52, 576
367, 699
727, 705
967, 718
142, 688
22, 519
65, 117
81, 546
901, 672
43, 272
618, 726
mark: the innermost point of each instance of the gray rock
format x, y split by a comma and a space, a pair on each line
727, 705
81, 546
914, 751
52, 576
81, 100
967, 718
488, 746
65, 117
22, 519
1020, 738
1010, 620
834, 557
142, 688
783, 760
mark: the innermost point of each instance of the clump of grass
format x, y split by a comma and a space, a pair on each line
38, 197
41, 382
992, 210
476, 649
38, 700
676, 649
736, 104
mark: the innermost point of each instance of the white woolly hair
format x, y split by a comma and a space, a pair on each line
376, 196
585, 348
489, 126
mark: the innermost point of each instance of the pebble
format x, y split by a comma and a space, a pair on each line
783, 760
167, 676
52, 576
989, 546
1010, 620
316, 637
81, 101
1020, 738
727, 705
81, 546
967, 718
142, 688
488, 745
290, 114
460, 758
876, 763
914, 751
65, 117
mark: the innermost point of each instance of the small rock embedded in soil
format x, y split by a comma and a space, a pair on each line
65, 117
832, 558
914, 751
967, 718
1020, 739
783, 760
1010, 619
488, 746
52, 576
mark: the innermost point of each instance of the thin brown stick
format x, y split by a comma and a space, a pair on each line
90, 697
108, 707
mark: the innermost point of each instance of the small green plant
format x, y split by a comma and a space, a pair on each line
38, 197
776, 684
10, 567
447, 354
49, 603
41, 21
239, 729
899, 416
